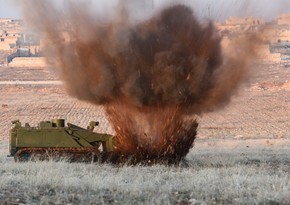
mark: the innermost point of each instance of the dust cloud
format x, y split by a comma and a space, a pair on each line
153, 77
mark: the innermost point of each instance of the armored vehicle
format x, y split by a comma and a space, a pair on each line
52, 139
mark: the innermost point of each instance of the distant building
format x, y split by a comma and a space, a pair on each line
9, 33
235, 25
7, 42
4, 21
19, 43
283, 19
282, 48
233, 21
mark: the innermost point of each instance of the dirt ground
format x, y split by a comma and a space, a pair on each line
259, 115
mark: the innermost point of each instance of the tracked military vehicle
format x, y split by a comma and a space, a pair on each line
54, 140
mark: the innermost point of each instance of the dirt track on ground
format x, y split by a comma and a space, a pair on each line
260, 111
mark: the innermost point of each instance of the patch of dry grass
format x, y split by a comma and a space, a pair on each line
209, 177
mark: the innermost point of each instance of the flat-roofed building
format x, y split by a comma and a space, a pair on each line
244, 21
283, 19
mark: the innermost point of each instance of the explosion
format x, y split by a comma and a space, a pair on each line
153, 77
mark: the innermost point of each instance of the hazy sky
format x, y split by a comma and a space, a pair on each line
215, 9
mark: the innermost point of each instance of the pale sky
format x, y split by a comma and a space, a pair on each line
214, 9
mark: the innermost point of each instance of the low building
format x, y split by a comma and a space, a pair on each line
283, 19
7, 43
4, 21
236, 25
232, 21
28, 62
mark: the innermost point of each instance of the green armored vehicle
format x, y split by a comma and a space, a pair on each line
52, 139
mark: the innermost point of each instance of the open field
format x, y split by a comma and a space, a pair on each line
255, 176
241, 155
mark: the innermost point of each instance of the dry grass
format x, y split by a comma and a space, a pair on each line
213, 176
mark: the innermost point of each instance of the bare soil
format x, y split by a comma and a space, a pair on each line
259, 111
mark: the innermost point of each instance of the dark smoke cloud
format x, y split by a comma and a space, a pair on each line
148, 75
170, 59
